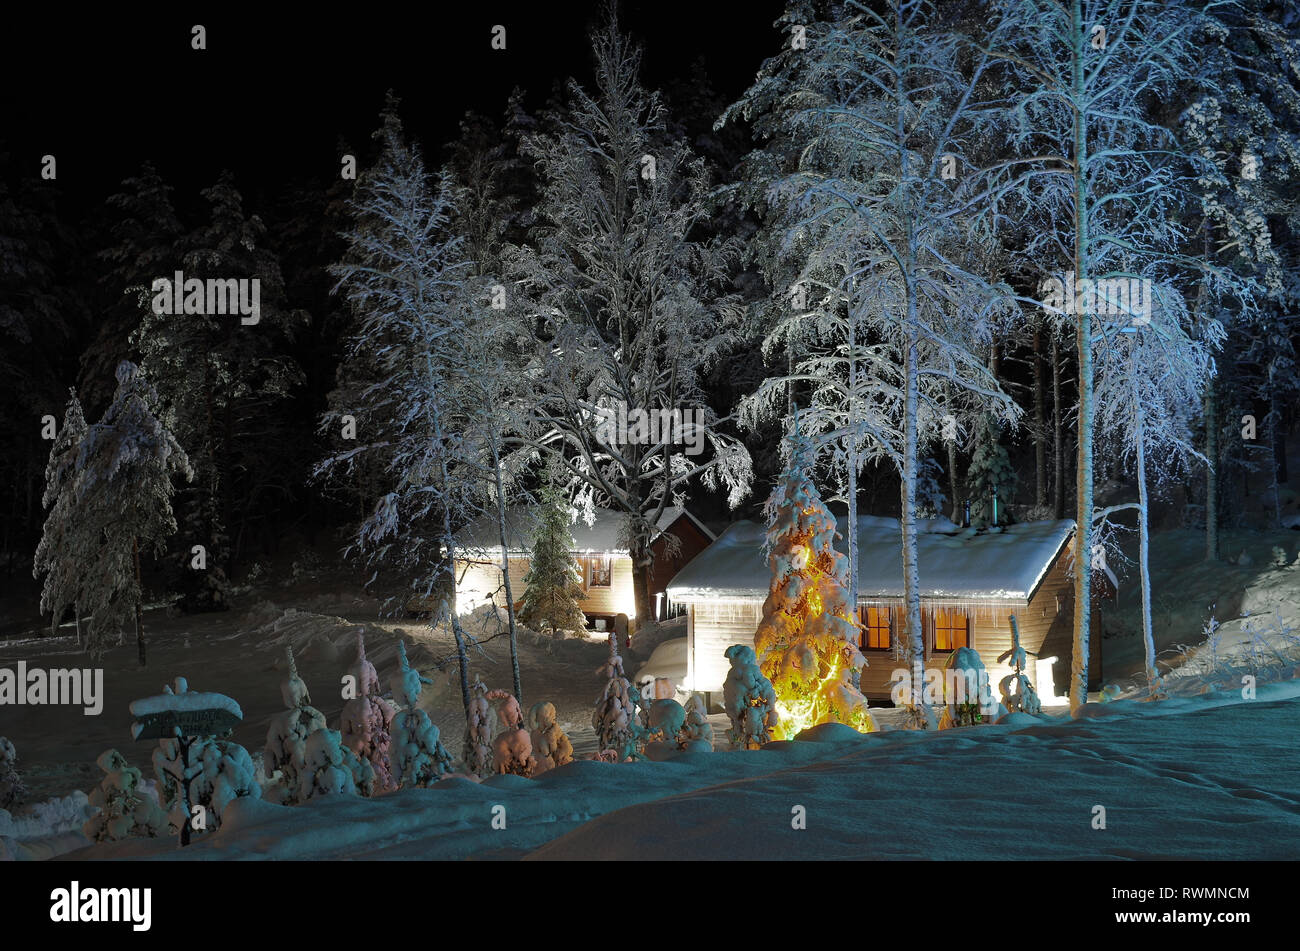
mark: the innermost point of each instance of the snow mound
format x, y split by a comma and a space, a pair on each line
829, 733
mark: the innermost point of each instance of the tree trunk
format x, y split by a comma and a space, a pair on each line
1083, 333
139, 606
1211, 471
1058, 437
505, 572
642, 559
1040, 426
952, 481
1144, 553
76, 611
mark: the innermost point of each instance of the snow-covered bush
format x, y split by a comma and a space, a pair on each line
286, 739
697, 731
614, 718
477, 749
12, 789
967, 696
512, 748
667, 717
1018, 694
750, 700
367, 719
126, 806
417, 753
551, 747
330, 768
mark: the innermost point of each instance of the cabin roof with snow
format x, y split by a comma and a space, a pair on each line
602, 535
954, 563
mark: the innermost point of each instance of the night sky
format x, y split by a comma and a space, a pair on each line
269, 97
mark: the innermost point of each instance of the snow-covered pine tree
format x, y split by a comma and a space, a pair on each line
512, 748
286, 738
553, 584
991, 478
401, 376
416, 752
614, 718
551, 746
121, 502
635, 305
1018, 693
477, 748
750, 700
806, 642
66, 540
12, 788
367, 719
125, 807
329, 768
970, 697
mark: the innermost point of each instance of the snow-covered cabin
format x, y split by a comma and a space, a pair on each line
599, 549
971, 583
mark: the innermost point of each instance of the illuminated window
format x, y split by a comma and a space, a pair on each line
601, 572
875, 627
950, 630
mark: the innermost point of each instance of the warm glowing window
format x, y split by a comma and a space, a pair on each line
601, 572
875, 627
950, 630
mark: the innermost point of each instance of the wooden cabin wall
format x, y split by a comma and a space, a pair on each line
479, 580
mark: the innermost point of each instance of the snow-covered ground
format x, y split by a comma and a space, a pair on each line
1218, 777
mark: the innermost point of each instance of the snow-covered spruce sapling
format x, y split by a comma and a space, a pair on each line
697, 731
553, 584
12, 789
125, 806
551, 746
477, 748
806, 642
614, 718
330, 768
1018, 694
750, 700
417, 753
199, 776
367, 719
286, 738
512, 748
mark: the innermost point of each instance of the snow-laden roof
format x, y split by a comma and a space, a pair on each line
602, 535
953, 563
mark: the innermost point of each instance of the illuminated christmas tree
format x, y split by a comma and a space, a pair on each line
807, 640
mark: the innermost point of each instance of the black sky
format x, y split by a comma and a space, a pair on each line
269, 97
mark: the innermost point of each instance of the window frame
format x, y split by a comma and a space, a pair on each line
865, 637
607, 568
934, 629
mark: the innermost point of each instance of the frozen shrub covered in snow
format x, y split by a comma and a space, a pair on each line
750, 700
512, 748
1018, 694
551, 747
417, 753
697, 731
12, 789
477, 750
286, 740
667, 717
614, 719
330, 769
126, 807
967, 696
367, 719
